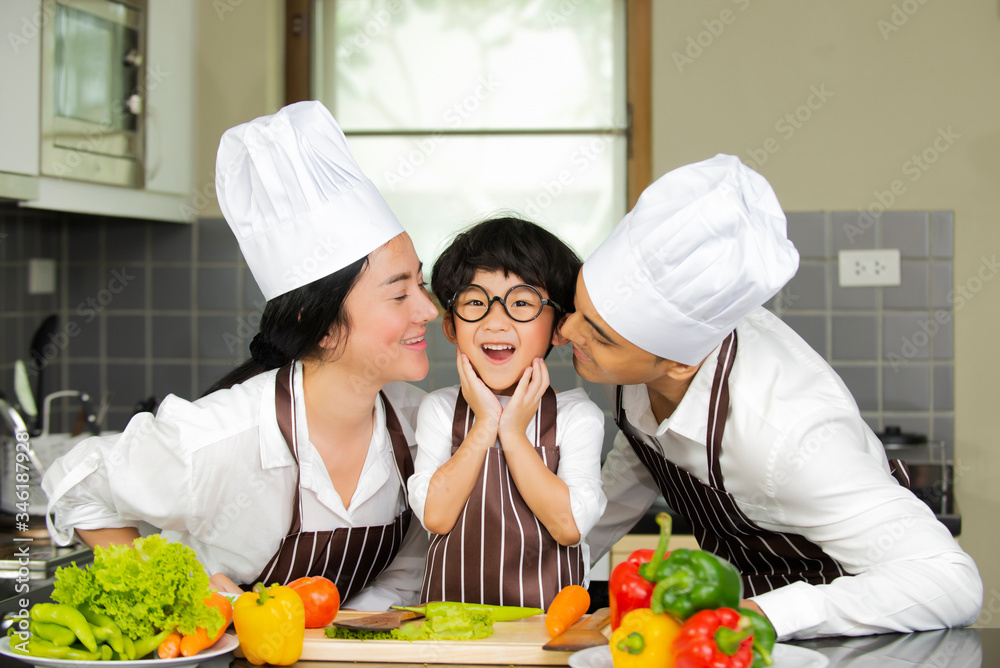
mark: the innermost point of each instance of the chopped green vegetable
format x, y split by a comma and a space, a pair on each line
469, 625
151, 586
457, 625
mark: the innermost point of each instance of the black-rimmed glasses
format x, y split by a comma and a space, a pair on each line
523, 303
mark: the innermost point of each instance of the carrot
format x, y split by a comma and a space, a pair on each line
568, 606
170, 648
193, 643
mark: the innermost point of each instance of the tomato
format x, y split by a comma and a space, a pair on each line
320, 597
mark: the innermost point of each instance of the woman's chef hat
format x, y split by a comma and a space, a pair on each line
296, 199
705, 245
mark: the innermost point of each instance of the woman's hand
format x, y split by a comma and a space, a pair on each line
524, 403
480, 398
221, 583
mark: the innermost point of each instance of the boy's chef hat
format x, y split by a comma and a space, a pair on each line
295, 198
705, 245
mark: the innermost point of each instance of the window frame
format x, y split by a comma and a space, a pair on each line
638, 46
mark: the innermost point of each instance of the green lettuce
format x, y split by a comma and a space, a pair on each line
151, 586
456, 624
464, 625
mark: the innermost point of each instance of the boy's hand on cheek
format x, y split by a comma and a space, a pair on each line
480, 398
524, 403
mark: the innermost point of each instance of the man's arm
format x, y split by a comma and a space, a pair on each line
908, 573
630, 490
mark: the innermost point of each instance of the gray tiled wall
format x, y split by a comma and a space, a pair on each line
893, 347
183, 309
147, 308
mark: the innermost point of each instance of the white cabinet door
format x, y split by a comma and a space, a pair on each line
170, 103
20, 74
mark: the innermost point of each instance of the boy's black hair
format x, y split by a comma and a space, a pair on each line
514, 246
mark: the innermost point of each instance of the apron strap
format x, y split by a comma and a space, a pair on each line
900, 471
284, 403
400, 448
718, 409
462, 421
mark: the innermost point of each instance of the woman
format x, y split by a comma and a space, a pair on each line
296, 463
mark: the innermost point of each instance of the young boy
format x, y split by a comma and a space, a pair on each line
507, 475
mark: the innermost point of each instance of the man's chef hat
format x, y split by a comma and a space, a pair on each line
295, 198
705, 245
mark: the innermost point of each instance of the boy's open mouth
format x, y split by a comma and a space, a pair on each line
498, 352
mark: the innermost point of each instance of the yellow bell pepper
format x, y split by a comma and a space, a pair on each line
644, 640
271, 625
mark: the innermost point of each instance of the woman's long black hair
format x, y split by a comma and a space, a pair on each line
294, 323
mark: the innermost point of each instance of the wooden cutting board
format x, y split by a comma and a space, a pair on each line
518, 642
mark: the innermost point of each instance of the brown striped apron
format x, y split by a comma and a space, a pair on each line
498, 552
766, 559
352, 557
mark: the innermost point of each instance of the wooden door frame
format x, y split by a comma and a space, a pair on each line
638, 41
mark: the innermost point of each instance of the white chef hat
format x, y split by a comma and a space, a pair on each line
296, 200
705, 245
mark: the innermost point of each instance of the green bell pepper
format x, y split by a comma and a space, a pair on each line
764, 637
689, 580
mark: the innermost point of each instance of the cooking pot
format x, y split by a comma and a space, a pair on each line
44, 450
930, 473
40, 451
894, 438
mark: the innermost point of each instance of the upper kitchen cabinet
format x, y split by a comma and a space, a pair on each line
20, 72
113, 114
170, 108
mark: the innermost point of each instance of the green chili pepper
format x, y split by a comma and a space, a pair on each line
501, 613
104, 628
689, 580
37, 646
144, 646
129, 652
54, 633
67, 616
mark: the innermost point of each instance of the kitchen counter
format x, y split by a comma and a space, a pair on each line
954, 648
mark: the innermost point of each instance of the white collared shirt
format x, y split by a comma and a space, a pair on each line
798, 458
217, 475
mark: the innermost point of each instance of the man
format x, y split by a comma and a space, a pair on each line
742, 427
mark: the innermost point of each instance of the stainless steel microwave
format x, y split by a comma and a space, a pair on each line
93, 85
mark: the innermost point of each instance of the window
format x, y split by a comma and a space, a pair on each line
462, 109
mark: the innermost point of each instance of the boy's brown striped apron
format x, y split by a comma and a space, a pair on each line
766, 559
352, 557
498, 552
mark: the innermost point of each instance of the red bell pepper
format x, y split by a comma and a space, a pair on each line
627, 589
718, 638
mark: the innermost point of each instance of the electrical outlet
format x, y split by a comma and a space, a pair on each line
868, 268
41, 276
